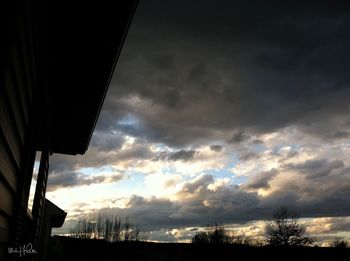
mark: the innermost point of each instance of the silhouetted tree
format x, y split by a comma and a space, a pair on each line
108, 228
100, 226
339, 243
84, 228
200, 238
127, 226
284, 229
215, 234
117, 230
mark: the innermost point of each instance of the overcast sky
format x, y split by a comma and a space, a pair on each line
221, 111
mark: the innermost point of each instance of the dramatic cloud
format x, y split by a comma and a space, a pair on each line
317, 168
238, 137
69, 180
329, 225
182, 155
216, 148
261, 180
204, 200
107, 141
246, 66
221, 113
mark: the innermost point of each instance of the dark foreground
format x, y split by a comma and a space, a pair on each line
64, 248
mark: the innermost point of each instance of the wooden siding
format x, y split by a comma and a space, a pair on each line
17, 88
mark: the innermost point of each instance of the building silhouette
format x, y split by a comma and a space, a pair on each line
56, 62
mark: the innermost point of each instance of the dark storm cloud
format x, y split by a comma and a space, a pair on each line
216, 148
321, 188
254, 65
238, 137
60, 163
316, 168
247, 155
258, 142
72, 179
341, 135
107, 141
180, 155
183, 155
195, 186
260, 180
98, 156
155, 213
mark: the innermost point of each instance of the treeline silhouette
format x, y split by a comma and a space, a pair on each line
217, 234
66, 248
283, 229
337, 243
103, 237
110, 228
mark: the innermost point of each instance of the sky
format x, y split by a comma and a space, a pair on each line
221, 111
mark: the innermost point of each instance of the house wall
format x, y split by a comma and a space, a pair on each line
17, 123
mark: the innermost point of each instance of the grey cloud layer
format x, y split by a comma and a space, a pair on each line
73, 179
311, 194
232, 66
184, 155
65, 170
